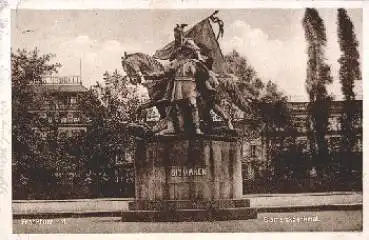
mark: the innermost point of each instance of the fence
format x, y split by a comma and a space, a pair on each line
263, 181
118, 185
339, 173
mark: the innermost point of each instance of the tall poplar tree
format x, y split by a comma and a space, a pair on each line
348, 73
318, 77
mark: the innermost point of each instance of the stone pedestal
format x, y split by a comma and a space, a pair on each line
181, 179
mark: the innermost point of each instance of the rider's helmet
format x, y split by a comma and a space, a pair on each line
184, 48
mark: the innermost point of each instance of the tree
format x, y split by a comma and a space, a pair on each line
26, 68
32, 161
248, 81
274, 115
318, 76
44, 162
110, 105
267, 102
118, 96
348, 73
271, 119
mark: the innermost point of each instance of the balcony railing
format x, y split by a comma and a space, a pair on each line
71, 79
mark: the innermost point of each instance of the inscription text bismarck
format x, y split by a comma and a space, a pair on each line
187, 172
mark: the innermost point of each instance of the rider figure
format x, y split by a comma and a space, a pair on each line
184, 84
206, 85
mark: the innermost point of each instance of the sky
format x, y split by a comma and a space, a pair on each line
272, 40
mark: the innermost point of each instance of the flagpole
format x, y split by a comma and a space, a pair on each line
80, 71
213, 14
207, 18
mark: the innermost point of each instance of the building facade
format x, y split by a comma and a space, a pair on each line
59, 100
298, 112
255, 152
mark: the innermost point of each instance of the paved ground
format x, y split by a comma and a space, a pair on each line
266, 222
257, 201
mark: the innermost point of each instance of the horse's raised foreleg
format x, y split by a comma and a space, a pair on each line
145, 105
165, 125
218, 110
195, 114
150, 104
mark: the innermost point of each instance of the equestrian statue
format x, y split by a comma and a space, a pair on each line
185, 90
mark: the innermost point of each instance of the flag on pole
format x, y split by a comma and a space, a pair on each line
203, 35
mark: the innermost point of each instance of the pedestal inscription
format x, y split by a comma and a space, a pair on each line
187, 172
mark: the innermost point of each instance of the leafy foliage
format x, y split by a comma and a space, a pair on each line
110, 105
248, 81
268, 104
272, 121
48, 165
32, 158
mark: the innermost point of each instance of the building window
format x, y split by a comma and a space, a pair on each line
334, 124
248, 172
244, 149
70, 117
69, 133
335, 143
358, 147
62, 134
300, 125
64, 101
303, 143
128, 156
252, 150
73, 100
43, 115
357, 123
119, 157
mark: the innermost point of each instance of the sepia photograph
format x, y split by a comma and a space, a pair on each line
237, 120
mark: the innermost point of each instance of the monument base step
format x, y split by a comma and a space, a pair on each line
188, 215
165, 205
